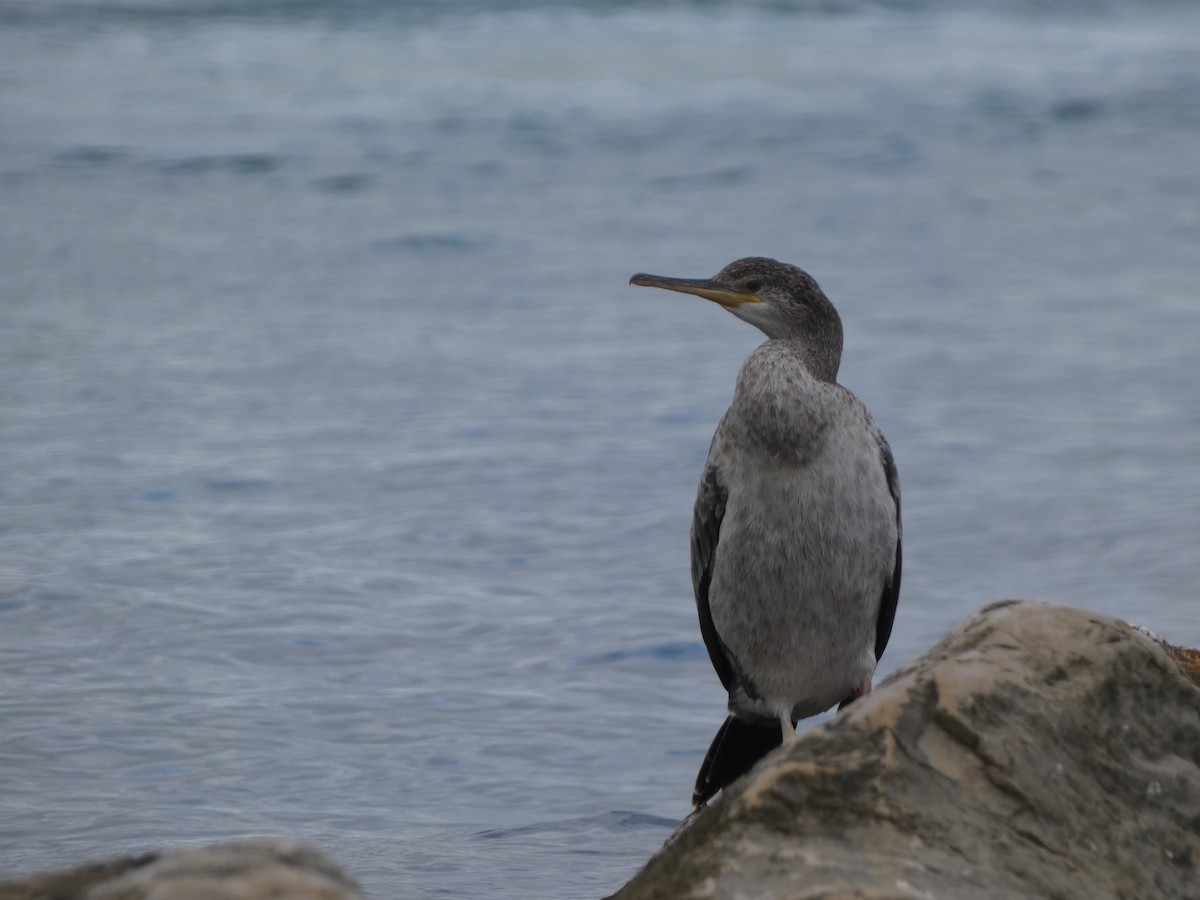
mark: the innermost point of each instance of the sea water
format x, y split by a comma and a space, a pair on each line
346, 484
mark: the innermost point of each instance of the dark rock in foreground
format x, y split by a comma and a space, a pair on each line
1036, 751
250, 870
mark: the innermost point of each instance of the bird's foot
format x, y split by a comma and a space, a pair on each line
788, 727
860, 689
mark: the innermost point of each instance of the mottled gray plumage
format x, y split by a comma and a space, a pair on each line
796, 527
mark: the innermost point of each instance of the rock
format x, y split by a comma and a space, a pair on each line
248, 870
1036, 751
1187, 658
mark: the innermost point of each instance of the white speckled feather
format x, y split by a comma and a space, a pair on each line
807, 541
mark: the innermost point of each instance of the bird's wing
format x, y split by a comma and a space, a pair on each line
891, 590
706, 530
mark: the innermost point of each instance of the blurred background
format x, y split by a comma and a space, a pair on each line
346, 484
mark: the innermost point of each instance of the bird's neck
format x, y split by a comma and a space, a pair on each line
821, 360
780, 401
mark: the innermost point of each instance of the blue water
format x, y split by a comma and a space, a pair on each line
346, 484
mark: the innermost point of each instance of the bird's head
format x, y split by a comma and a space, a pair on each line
783, 301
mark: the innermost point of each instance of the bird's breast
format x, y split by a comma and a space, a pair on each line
806, 546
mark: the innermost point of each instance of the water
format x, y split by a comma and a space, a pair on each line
346, 484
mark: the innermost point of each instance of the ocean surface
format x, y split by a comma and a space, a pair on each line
345, 484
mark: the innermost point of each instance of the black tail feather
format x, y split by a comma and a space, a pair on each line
733, 752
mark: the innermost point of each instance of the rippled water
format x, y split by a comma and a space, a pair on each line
346, 483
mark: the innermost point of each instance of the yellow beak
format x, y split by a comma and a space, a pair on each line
701, 287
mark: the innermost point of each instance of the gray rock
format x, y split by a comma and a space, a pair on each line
1036, 751
248, 870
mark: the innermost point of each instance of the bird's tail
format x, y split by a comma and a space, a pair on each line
733, 752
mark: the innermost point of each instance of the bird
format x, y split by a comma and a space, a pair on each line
796, 530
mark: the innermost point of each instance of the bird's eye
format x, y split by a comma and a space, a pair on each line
753, 285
